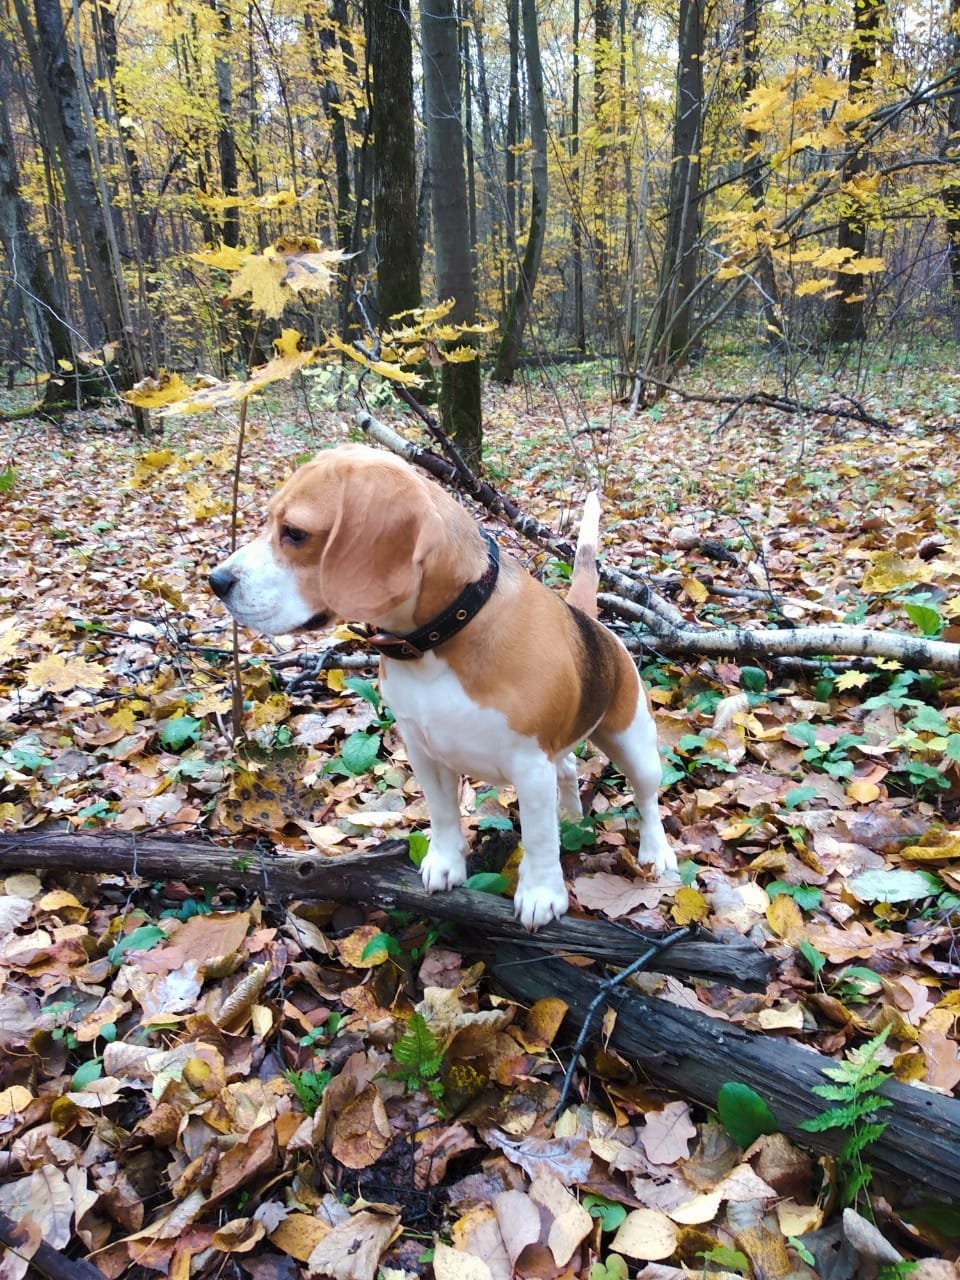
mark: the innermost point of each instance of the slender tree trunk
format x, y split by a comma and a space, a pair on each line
951, 190
390, 50
226, 140
753, 175
35, 298
491, 176
848, 323
460, 407
672, 324
602, 107
69, 120
513, 143
508, 357
579, 325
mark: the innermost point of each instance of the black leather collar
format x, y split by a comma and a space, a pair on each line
446, 624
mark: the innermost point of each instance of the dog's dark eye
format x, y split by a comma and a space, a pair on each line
289, 533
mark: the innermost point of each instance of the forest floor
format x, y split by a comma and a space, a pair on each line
321, 1128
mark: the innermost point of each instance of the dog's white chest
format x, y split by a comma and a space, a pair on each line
435, 714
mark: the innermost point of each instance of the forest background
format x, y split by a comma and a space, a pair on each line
747, 217
608, 178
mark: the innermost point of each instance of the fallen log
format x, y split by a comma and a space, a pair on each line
381, 877
693, 1054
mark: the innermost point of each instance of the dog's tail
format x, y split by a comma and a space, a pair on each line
586, 579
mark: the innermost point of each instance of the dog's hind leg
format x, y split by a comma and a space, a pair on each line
634, 750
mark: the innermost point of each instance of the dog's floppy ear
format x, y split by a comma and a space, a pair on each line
382, 530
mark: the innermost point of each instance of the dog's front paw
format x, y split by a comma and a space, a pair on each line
658, 855
537, 905
440, 870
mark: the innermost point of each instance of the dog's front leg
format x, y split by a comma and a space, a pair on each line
541, 895
445, 866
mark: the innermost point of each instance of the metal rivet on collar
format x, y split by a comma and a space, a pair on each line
461, 614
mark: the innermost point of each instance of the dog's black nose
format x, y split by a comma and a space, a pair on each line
221, 580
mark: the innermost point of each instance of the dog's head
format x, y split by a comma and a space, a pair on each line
346, 538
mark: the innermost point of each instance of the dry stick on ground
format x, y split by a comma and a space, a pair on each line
46, 1260
782, 404
670, 631
693, 1054
382, 877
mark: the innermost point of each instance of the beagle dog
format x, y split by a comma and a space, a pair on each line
488, 672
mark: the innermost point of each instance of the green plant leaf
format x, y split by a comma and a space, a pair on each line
798, 796
814, 958
418, 846
379, 947
753, 679
609, 1214
743, 1113
928, 720
928, 620
86, 1073
180, 732
895, 885
359, 753
487, 882
142, 938
364, 689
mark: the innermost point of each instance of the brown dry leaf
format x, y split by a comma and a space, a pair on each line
238, 1236
567, 1159
615, 895
566, 1222
666, 1134
210, 937
541, 1024
646, 1234
239, 1005
454, 1264
477, 1236
352, 1250
299, 1234
518, 1218
45, 1196
361, 1130
255, 1154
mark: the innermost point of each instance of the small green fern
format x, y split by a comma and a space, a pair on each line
858, 1100
419, 1058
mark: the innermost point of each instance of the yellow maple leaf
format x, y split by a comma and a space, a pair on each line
834, 257
9, 639
308, 272
689, 906
889, 570
262, 277
853, 680
862, 266
951, 608
761, 105
814, 286
154, 393
461, 355
225, 257
59, 675
288, 344
223, 394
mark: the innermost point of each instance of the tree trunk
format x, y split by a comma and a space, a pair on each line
48, 46
390, 50
672, 321
460, 407
951, 190
508, 357
34, 297
848, 324
753, 176
579, 325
